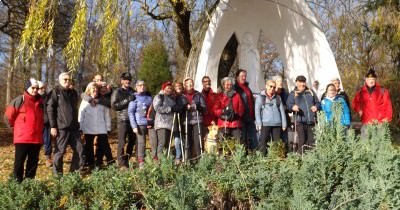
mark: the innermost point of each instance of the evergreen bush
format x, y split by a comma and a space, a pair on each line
342, 172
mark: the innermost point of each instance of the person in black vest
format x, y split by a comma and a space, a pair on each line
241, 86
62, 111
120, 99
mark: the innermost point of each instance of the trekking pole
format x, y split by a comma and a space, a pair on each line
295, 131
186, 137
198, 127
172, 134
180, 135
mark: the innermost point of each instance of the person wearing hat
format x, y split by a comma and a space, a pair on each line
62, 110
25, 115
305, 104
137, 111
120, 99
165, 106
372, 102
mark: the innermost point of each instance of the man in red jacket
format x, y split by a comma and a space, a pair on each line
372, 102
25, 115
210, 96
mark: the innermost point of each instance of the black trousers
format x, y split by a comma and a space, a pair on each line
68, 137
306, 136
102, 148
268, 133
30, 154
125, 131
194, 141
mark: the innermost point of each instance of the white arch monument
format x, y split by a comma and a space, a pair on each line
289, 24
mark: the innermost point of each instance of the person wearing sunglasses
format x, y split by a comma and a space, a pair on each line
270, 116
62, 111
25, 115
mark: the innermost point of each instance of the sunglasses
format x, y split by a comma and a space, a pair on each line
35, 88
271, 86
66, 79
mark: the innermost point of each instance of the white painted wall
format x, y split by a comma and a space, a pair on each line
289, 24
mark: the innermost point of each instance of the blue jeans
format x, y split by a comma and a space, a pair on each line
47, 140
178, 150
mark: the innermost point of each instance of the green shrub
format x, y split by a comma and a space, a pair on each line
342, 172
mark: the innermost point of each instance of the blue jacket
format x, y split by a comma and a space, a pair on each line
305, 100
327, 105
268, 113
137, 109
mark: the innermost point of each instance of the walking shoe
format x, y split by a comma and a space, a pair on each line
178, 162
141, 165
49, 163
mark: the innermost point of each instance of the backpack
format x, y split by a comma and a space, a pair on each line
278, 101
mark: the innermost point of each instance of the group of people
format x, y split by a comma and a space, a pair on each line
178, 112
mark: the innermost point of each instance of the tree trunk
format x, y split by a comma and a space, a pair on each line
10, 72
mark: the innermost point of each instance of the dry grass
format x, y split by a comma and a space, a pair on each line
43, 172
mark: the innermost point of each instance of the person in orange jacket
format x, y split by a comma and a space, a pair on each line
372, 102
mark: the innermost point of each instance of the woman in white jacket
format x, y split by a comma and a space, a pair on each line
94, 121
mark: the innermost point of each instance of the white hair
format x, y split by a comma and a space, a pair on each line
62, 75
225, 79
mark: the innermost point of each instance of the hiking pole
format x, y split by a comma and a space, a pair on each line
172, 134
198, 127
180, 136
295, 132
186, 137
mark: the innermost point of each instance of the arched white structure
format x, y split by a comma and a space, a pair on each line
290, 24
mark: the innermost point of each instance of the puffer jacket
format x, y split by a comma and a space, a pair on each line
137, 109
120, 99
25, 115
270, 111
62, 108
195, 115
94, 119
238, 107
327, 105
305, 100
163, 106
375, 106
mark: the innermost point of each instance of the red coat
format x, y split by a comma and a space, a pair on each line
221, 102
210, 101
26, 119
376, 106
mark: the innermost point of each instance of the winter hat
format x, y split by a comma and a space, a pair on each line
165, 84
370, 74
31, 82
